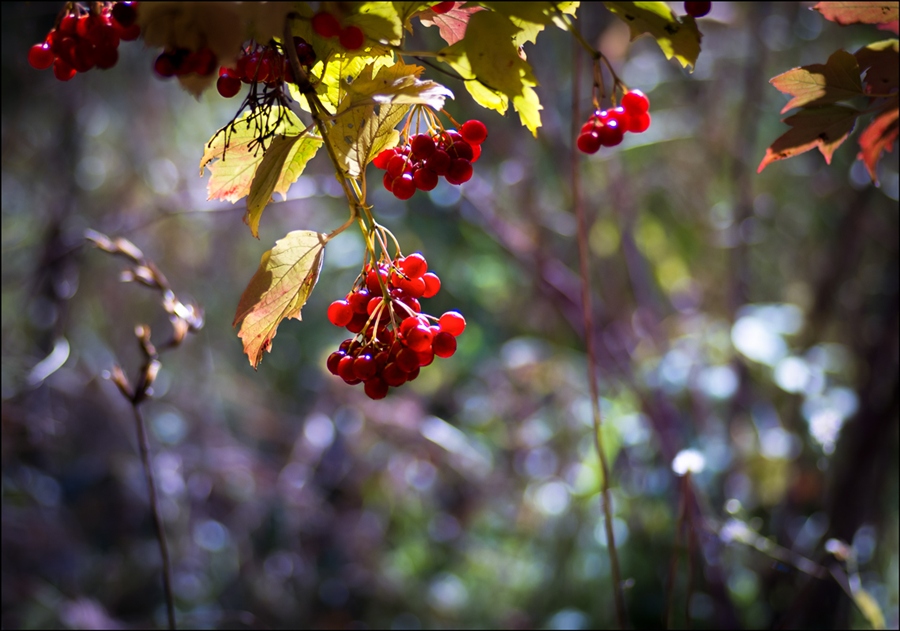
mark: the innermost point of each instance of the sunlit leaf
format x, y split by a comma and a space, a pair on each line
822, 127
677, 38
531, 17
284, 161
881, 63
451, 25
379, 21
455, 57
879, 137
869, 608
821, 84
406, 10
859, 12
278, 290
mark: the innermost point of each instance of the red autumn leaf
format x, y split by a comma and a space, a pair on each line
821, 84
845, 13
822, 127
879, 137
880, 63
452, 25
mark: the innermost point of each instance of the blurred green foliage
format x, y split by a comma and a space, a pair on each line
750, 318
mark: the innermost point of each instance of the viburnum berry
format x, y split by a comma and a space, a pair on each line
443, 7
635, 102
697, 9
228, 86
325, 24
474, 132
352, 37
40, 56
607, 128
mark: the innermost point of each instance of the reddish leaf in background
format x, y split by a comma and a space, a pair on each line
880, 63
822, 127
845, 13
894, 27
877, 138
452, 25
821, 84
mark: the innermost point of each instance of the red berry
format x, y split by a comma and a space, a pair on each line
635, 102
422, 146
69, 24
364, 367
460, 171
438, 162
407, 360
125, 13
352, 38
339, 312
106, 57
426, 357
62, 70
474, 132
461, 149
393, 375
397, 165
414, 287
621, 116
453, 323
444, 344
404, 186
228, 87
333, 361
611, 134
358, 322
443, 7
326, 25
419, 338
388, 182
345, 369
40, 56
476, 153
639, 123
382, 159
376, 388
432, 284
414, 265
164, 66
697, 9
589, 142
425, 179
374, 303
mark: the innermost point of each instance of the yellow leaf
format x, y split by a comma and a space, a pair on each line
455, 57
278, 290
677, 38
869, 608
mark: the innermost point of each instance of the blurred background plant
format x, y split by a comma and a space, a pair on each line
748, 336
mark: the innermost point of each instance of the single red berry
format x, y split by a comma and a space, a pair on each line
460, 171
376, 388
404, 186
358, 322
62, 70
474, 132
621, 116
611, 134
639, 123
333, 361
127, 33
228, 87
69, 24
453, 323
339, 312
164, 66
443, 7
125, 13
432, 285
414, 265
461, 149
397, 165
426, 357
589, 142
697, 9
393, 375
40, 56
476, 153
425, 179
635, 102
444, 344
382, 159
352, 38
419, 338
407, 360
325, 25
422, 146
439, 162
374, 303
364, 367
345, 369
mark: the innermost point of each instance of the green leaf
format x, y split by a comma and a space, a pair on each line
823, 127
531, 17
278, 290
859, 12
282, 164
821, 84
406, 10
879, 137
869, 608
677, 38
379, 21
880, 63
451, 25
234, 153
455, 57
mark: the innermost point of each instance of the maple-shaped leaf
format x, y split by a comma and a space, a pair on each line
284, 161
532, 17
455, 57
452, 24
407, 10
378, 20
678, 38
879, 137
880, 63
821, 84
845, 13
278, 290
823, 127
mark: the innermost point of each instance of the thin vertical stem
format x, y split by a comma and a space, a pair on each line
587, 312
144, 446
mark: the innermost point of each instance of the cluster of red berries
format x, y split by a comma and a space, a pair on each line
606, 128
263, 64
83, 40
419, 162
326, 25
181, 61
396, 339
697, 9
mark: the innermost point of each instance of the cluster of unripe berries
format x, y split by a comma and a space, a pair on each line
395, 338
419, 162
86, 39
326, 25
263, 64
697, 9
606, 128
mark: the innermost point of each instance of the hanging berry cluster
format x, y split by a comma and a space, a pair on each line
264, 65
84, 39
394, 339
326, 25
423, 158
606, 128
181, 61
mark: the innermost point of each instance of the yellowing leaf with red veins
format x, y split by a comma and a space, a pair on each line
821, 84
879, 137
234, 153
823, 127
278, 290
451, 25
859, 12
284, 161
678, 38
881, 63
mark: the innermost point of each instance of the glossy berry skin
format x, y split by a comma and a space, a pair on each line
635, 102
326, 25
40, 56
589, 142
124, 13
697, 9
228, 86
352, 38
444, 344
340, 313
62, 70
443, 7
640, 123
474, 132
453, 323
